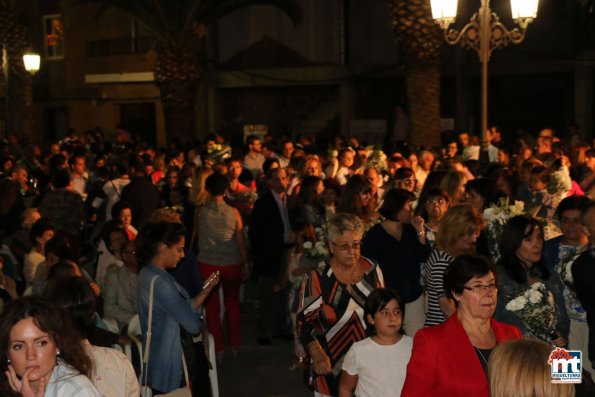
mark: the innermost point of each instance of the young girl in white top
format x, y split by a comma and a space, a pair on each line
376, 366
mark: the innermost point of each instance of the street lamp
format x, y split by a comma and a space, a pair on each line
31, 61
483, 34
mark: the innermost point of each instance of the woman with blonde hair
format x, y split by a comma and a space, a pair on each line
453, 184
520, 368
457, 234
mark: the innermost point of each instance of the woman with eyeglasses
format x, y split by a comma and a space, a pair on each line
399, 246
331, 309
434, 208
531, 296
451, 359
120, 293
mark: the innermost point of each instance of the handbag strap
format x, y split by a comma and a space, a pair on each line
148, 343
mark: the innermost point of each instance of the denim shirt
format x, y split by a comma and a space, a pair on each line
172, 307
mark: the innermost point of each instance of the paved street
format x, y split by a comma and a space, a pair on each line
260, 371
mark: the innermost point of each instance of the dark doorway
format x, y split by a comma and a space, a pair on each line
139, 119
56, 123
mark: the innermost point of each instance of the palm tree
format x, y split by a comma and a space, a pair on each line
14, 39
179, 26
420, 41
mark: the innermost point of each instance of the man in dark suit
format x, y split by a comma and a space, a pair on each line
141, 194
271, 238
583, 274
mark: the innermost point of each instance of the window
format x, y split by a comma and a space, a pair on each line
54, 36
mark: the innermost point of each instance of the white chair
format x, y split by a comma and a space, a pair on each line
213, 371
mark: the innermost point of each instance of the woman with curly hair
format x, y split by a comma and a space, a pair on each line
40, 353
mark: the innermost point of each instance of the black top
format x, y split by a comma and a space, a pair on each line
483, 355
399, 260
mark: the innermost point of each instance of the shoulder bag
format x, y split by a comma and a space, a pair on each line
181, 392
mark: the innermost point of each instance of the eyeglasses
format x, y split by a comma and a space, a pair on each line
385, 313
355, 245
439, 201
482, 288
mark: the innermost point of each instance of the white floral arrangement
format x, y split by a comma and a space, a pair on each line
315, 247
536, 309
376, 158
559, 186
218, 152
497, 215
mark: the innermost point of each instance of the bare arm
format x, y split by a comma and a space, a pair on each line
239, 235
347, 384
207, 287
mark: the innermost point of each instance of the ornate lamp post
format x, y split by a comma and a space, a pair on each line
484, 33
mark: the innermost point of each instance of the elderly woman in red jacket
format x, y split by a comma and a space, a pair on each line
451, 359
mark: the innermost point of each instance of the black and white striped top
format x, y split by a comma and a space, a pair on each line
432, 278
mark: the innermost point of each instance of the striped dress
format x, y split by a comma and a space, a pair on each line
333, 314
432, 279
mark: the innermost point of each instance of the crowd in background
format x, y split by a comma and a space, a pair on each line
306, 231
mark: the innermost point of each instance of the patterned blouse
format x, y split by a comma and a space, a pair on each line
567, 256
333, 313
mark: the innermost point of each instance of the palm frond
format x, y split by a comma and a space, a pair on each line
176, 21
215, 9
588, 4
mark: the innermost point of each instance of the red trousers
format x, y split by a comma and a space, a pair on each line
230, 277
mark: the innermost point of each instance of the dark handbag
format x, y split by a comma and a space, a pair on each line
190, 351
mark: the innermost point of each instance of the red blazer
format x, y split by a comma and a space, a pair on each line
444, 363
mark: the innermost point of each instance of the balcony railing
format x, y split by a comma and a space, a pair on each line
126, 46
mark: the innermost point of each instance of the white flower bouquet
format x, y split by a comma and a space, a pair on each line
559, 186
314, 246
376, 158
497, 215
536, 309
217, 153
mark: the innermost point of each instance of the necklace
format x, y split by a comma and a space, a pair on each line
352, 276
478, 350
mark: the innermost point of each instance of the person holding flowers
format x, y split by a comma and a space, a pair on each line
530, 295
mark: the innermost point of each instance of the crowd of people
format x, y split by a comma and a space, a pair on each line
394, 270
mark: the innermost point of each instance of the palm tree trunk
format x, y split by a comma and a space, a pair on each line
177, 74
420, 41
423, 96
18, 89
